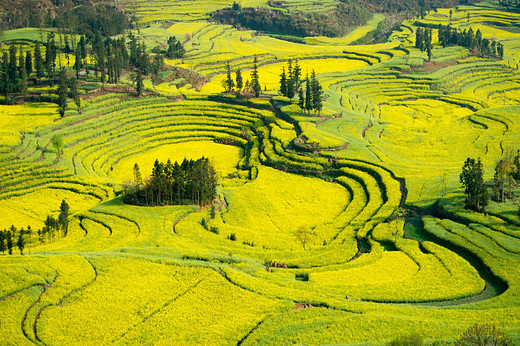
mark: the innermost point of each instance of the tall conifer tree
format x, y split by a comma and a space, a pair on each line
239, 80
283, 82
255, 80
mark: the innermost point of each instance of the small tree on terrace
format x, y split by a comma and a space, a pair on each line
21, 241
139, 85
297, 74
283, 82
419, 38
472, 179
38, 61
63, 218
3, 246
317, 93
304, 235
308, 95
57, 143
255, 82
290, 80
239, 80
73, 91
28, 235
301, 99
229, 83
138, 179
62, 92
10, 239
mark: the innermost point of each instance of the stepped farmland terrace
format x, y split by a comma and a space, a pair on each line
340, 222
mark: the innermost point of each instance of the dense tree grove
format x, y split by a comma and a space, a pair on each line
473, 41
468, 38
191, 182
332, 23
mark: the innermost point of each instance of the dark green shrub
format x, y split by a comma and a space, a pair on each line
414, 339
232, 237
484, 334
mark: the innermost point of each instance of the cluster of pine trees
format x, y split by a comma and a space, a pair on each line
249, 87
291, 84
52, 229
469, 39
510, 3
423, 41
191, 182
312, 100
175, 48
17, 66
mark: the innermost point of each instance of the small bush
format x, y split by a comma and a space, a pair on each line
413, 339
232, 237
484, 334
214, 229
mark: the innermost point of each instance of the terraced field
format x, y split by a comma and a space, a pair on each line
348, 227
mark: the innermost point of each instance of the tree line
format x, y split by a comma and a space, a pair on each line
52, 229
191, 182
332, 23
423, 41
469, 39
506, 178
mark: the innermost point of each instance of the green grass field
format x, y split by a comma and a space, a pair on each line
391, 140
